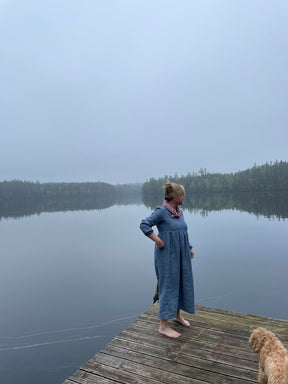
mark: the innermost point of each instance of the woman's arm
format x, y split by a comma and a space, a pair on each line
147, 224
159, 243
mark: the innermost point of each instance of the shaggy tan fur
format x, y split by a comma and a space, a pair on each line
273, 357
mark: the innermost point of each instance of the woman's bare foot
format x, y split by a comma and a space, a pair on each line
167, 331
164, 329
179, 319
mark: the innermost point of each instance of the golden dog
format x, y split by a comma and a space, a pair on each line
273, 357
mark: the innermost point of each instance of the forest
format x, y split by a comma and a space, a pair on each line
20, 198
260, 189
272, 177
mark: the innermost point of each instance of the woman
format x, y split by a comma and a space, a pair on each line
172, 256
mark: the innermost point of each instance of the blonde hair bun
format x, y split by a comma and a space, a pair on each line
172, 190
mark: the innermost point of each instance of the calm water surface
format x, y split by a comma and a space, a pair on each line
71, 281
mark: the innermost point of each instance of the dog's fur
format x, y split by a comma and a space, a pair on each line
273, 357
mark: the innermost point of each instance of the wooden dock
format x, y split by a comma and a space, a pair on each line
213, 350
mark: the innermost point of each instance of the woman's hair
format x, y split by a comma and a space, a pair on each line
172, 190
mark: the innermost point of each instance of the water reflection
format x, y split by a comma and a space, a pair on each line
267, 204
20, 208
70, 282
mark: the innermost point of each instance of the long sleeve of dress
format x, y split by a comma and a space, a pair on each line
154, 219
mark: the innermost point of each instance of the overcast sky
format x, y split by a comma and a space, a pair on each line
124, 90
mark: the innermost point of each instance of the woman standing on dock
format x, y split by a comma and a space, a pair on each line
172, 257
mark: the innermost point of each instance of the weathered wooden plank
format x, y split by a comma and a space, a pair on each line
214, 313
196, 329
240, 323
83, 377
214, 350
207, 337
181, 363
225, 312
127, 371
214, 354
221, 319
166, 372
101, 372
221, 345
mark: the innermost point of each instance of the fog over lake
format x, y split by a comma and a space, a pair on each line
120, 92
71, 281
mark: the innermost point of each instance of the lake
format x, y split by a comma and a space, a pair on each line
71, 281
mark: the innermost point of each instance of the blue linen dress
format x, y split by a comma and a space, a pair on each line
173, 265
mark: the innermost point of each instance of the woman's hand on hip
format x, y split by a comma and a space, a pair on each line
159, 243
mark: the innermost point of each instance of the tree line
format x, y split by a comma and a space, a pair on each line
205, 191
272, 205
20, 198
267, 177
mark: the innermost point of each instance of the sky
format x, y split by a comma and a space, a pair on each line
123, 90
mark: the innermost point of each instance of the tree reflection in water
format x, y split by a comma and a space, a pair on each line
270, 205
